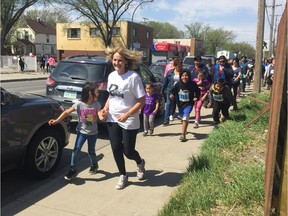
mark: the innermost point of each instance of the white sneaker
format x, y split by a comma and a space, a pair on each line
122, 183
171, 118
141, 170
196, 124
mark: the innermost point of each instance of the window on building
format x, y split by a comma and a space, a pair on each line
47, 38
147, 35
116, 31
26, 35
134, 32
94, 32
73, 32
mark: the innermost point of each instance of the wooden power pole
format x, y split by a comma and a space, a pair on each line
259, 46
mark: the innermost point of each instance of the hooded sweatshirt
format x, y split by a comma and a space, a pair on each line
222, 96
185, 93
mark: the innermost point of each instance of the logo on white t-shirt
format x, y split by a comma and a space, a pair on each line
113, 90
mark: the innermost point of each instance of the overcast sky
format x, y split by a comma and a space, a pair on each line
239, 16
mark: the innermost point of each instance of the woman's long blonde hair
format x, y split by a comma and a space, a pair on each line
134, 58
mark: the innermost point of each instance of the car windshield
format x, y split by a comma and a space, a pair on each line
159, 69
189, 61
81, 71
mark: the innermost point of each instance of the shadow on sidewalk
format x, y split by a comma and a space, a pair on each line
154, 178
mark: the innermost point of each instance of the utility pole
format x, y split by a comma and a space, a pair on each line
271, 44
259, 46
271, 31
145, 19
275, 29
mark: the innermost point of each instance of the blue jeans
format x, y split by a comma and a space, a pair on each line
80, 140
169, 109
244, 80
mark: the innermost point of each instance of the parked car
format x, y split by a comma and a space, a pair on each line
188, 61
66, 82
27, 141
158, 69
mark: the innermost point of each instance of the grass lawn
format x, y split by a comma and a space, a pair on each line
227, 177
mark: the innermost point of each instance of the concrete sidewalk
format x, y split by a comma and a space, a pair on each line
10, 75
95, 195
90, 195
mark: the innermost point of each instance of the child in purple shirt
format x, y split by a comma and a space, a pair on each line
150, 109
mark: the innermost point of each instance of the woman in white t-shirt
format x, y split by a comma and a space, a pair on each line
126, 98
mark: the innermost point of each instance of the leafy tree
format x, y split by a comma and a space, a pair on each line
217, 38
240, 48
50, 17
11, 12
165, 30
103, 14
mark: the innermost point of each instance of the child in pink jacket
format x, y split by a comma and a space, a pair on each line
204, 86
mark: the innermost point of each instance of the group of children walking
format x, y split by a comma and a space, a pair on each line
190, 89
121, 111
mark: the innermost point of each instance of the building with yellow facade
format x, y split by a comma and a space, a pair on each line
82, 38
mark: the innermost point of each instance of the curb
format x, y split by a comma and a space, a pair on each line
23, 79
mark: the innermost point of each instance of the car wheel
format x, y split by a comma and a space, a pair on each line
44, 153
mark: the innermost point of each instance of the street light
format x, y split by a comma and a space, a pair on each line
131, 45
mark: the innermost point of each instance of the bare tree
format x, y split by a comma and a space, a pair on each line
11, 11
104, 14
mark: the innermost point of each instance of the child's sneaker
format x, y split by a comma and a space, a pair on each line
93, 169
141, 170
71, 174
151, 132
145, 133
122, 183
165, 124
183, 138
196, 124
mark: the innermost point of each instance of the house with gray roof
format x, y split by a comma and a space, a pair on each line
36, 37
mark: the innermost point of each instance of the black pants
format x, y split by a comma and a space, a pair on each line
217, 107
235, 89
123, 143
22, 67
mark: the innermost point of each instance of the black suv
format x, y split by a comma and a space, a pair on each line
27, 141
67, 79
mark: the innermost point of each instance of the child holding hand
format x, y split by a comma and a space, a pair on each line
88, 110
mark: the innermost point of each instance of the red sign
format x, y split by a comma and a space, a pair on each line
164, 46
